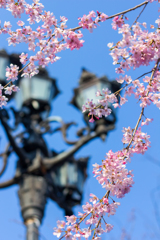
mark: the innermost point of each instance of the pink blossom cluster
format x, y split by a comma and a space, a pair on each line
12, 72
104, 110
93, 211
48, 39
3, 99
146, 93
73, 41
10, 89
140, 142
21, 6
3, 3
117, 22
4, 91
16, 8
146, 122
7, 90
137, 47
113, 175
90, 21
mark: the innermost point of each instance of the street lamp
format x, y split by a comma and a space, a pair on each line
68, 178
36, 92
42, 173
89, 84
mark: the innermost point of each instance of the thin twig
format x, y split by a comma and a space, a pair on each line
96, 228
63, 236
140, 14
142, 111
129, 10
104, 220
7, 84
117, 14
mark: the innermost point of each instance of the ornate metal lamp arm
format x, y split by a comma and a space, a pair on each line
5, 159
64, 126
49, 162
21, 154
9, 183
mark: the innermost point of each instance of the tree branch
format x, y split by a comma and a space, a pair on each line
79, 27
140, 14
142, 111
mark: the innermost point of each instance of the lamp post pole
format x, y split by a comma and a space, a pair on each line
32, 230
42, 173
33, 195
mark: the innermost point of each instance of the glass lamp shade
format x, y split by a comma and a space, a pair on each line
35, 92
89, 91
4, 62
67, 180
69, 175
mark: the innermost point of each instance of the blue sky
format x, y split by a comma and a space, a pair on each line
139, 210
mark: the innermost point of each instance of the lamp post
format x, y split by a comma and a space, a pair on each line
40, 172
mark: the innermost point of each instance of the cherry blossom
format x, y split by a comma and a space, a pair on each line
12, 72
10, 89
117, 22
138, 46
